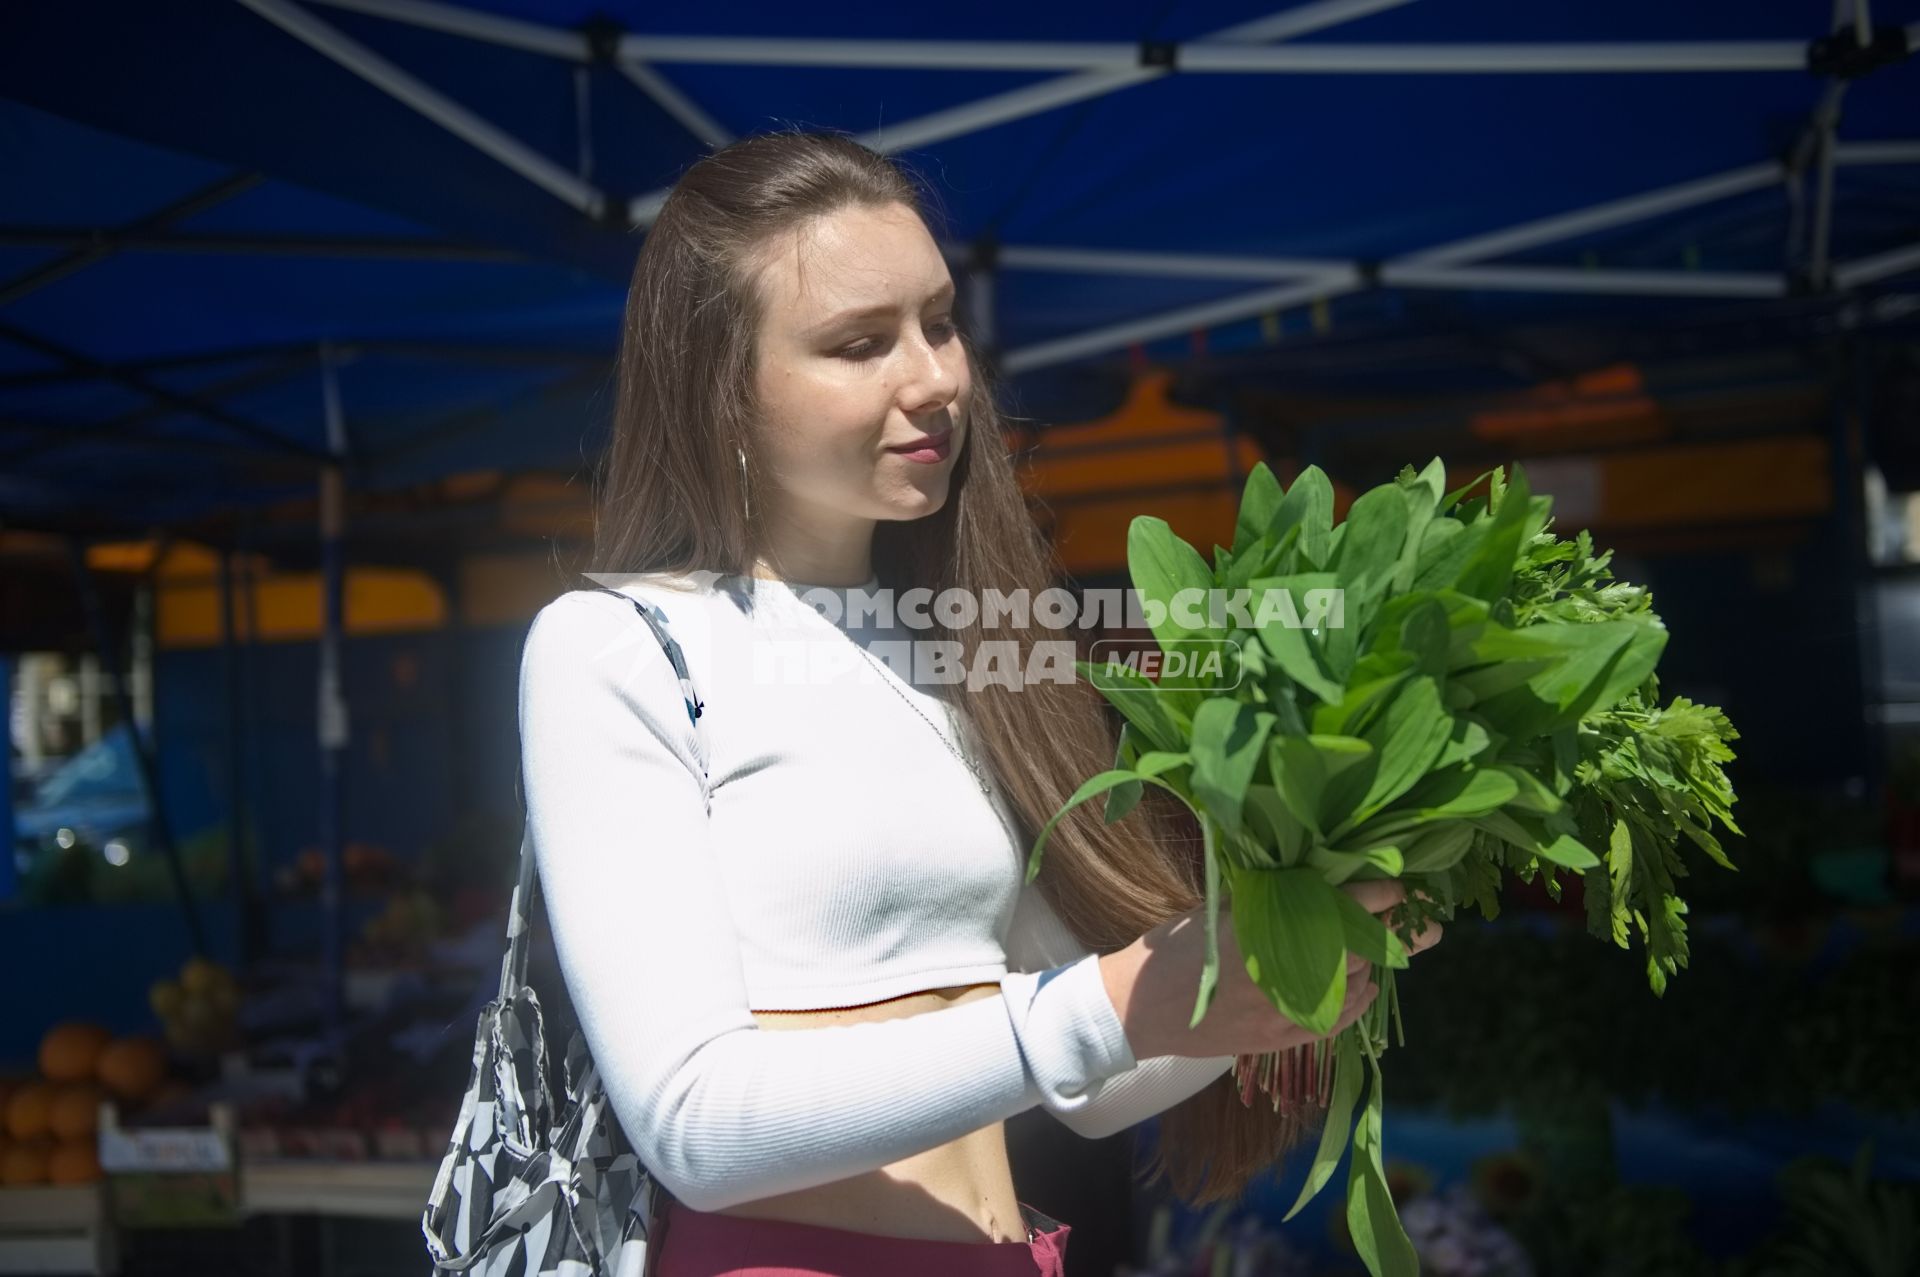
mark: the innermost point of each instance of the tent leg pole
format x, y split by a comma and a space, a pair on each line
331, 718
9, 837
1820, 274
246, 898
1826, 122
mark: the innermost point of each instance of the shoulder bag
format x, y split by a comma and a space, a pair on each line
539, 1182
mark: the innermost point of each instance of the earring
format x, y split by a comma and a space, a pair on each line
746, 497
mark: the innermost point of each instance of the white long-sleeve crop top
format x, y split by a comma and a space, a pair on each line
812, 843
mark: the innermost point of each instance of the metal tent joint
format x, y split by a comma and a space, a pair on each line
984, 253
1800, 282
603, 34
1160, 53
612, 213
1842, 55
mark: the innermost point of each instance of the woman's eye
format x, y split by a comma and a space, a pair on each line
867, 349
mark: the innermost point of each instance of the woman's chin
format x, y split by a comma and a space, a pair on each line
918, 502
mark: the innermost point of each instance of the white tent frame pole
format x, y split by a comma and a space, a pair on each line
1826, 126
433, 104
1502, 278
1895, 152
1862, 20
1223, 52
1101, 340
1498, 59
1001, 108
1811, 148
1823, 191
1458, 253
1095, 261
1546, 279
567, 43
1035, 99
1221, 58
510, 33
689, 113
1866, 270
531, 37
1248, 305
1620, 212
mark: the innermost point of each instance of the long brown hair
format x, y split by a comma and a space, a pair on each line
671, 498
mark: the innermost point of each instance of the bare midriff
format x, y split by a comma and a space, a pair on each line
961, 1191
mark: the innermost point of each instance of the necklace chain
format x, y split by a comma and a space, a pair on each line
979, 770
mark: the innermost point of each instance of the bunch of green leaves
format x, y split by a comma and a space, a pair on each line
1480, 700
1648, 777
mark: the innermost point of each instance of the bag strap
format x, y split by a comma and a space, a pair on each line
656, 620
513, 968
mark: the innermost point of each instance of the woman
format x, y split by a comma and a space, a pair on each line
840, 859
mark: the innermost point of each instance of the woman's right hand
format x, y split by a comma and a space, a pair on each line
1153, 982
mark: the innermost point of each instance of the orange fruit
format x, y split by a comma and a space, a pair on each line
24, 1164
132, 1067
30, 1111
76, 1110
69, 1051
74, 1162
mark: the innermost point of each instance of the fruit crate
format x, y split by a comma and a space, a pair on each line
360, 1190
58, 1229
172, 1176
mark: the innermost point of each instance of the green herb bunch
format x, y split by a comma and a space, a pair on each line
1437, 689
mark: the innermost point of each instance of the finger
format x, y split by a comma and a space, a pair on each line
1427, 937
1354, 1009
1377, 896
1360, 995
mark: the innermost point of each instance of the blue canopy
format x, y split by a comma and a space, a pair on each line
209, 203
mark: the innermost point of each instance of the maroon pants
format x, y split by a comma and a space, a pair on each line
693, 1243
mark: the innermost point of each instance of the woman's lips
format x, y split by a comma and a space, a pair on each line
927, 453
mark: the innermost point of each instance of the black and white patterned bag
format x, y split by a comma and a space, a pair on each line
532, 1186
